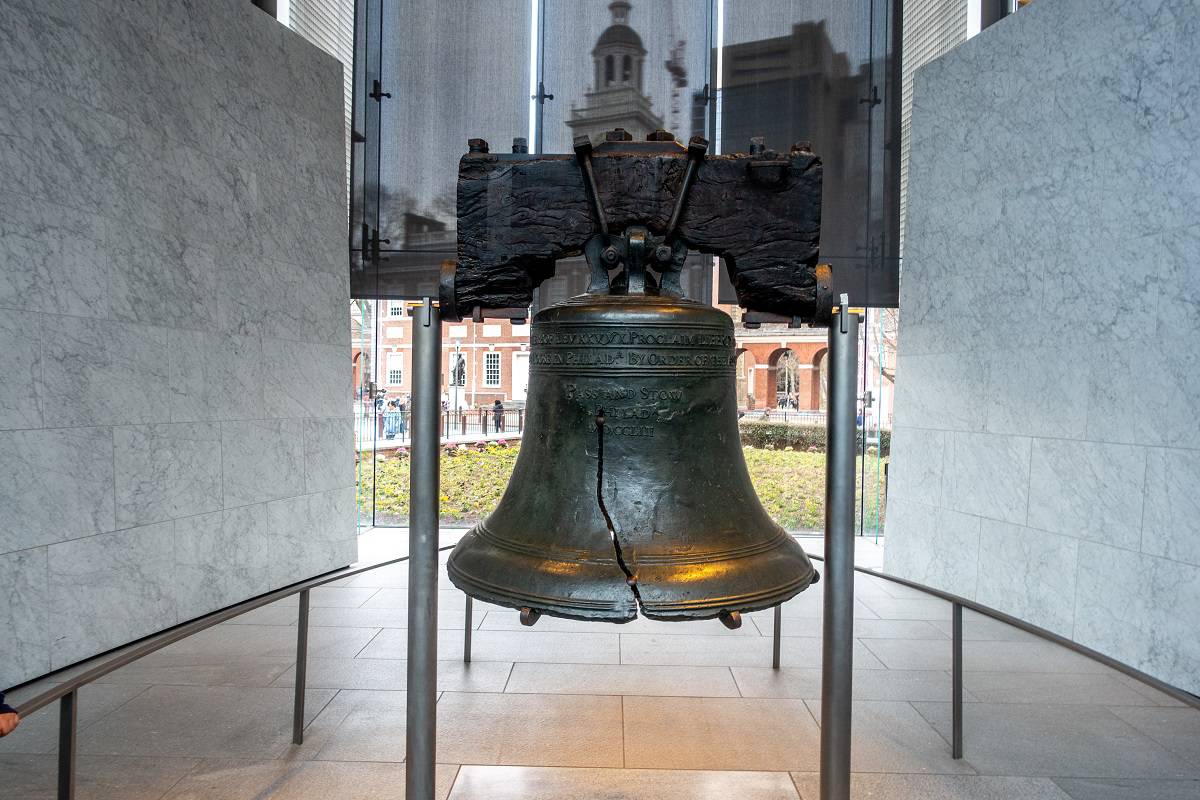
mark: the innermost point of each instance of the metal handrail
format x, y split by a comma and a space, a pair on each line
144, 647
1028, 627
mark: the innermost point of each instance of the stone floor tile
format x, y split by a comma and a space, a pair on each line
1155, 696
863, 628
31, 777
728, 651
1056, 688
554, 783
978, 627
300, 780
564, 648
720, 733
366, 726
390, 674
1116, 789
450, 618
936, 787
506, 619
339, 596
201, 722
890, 736
1177, 729
39, 733
200, 670
811, 603
529, 730
278, 613
868, 684
990, 656
272, 641
1056, 741
622, 679
924, 608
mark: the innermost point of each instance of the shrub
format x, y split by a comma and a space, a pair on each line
806, 438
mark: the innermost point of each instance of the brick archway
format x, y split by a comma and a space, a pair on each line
814, 391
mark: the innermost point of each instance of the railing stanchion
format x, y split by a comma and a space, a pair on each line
956, 678
68, 714
777, 641
421, 739
467, 631
301, 669
837, 656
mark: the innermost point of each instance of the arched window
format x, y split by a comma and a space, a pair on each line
608, 70
626, 69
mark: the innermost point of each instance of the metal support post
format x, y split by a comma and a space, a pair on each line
956, 677
776, 641
421, 746
467, 631
68, 714
837, 657
301, 670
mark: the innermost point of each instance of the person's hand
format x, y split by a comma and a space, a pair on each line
9, 723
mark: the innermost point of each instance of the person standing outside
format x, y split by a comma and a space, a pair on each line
498, 416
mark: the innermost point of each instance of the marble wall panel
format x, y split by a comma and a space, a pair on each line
262, 460
1136, 608
166, 471
1046, 400
112, 589
1145, 394
215, 376
1029, 573
1088, 490
987, 475
916, 475
948, 386
21, 366
141, 267
1172, 505
221, 558
55, 485
328, 454
948, 555
101, 372
160, 280
1051, 250
309, 534
24, 606
52, 259
304, 379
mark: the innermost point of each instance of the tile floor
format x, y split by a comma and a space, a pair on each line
646, 710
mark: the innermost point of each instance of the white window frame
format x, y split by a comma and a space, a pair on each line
395, 308
492, 361
395, 365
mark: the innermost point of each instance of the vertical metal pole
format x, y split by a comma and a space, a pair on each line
837, 657
956, 678
421, 747
301, 670
776, 642
467, 632
68, 713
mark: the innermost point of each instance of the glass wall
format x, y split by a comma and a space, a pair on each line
430, 76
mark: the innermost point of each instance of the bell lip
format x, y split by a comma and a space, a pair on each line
620, 613
557, 607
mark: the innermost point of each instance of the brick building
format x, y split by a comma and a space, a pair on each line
481, 362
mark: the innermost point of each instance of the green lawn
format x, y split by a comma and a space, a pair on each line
791, 485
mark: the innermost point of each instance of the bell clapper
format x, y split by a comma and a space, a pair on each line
530, 616
730, 619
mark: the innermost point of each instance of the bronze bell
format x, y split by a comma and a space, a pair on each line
630, 489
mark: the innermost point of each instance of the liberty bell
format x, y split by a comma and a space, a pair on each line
630, 492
